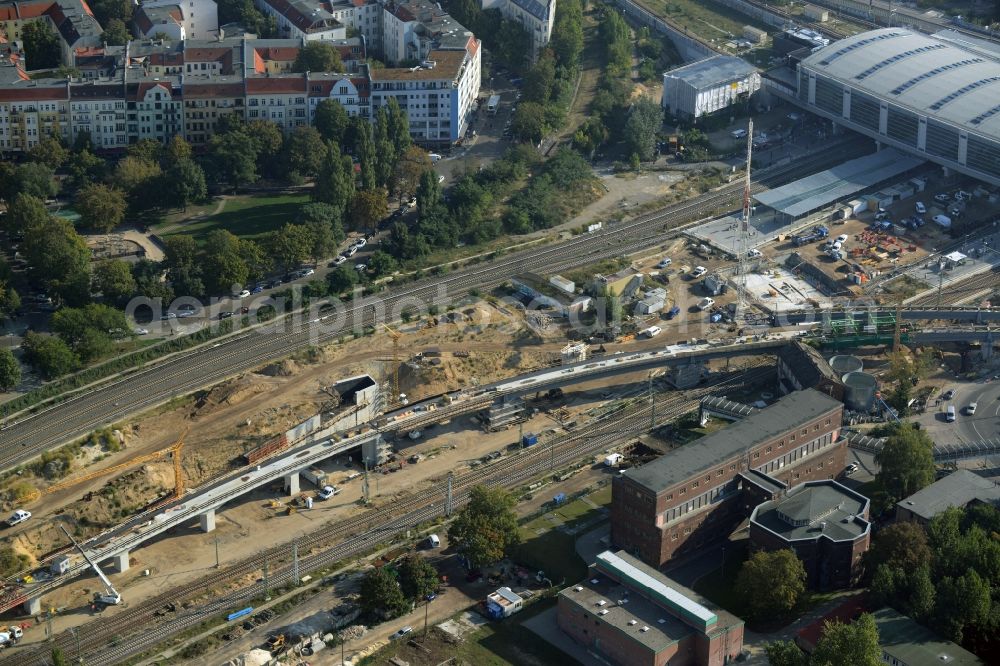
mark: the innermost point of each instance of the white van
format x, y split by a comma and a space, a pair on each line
950, 415
653, 331
433, 541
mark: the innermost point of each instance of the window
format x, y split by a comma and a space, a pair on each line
767, 450
756, 455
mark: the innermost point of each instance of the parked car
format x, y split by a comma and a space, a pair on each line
942, 197
141, 331
706, 303
399, 634
338, 261
327, 492
971, 409
434, 157
738, 133
920, 207
851, 469
666, 261
948, 395
244, 293
225, 314
360, 267
360, 243
842, 238
18, 517
256, 290
699, 271
754, 253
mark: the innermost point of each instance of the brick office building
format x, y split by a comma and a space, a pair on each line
632, 615
824, 523
700, 492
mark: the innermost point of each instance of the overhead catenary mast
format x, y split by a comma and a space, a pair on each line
743, 242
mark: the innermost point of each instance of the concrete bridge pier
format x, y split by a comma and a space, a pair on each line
121, 561
207, 520
33, 606
292, 483
987, 348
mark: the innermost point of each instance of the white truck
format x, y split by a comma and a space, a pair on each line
10, 636
315, 476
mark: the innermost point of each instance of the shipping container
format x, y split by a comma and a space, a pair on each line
529, 439
315, 476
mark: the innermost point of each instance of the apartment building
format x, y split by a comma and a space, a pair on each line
699, 493
198, 19
30, 111
185, 87
165, 20
536, 17
72, 20
438, 96
303, 19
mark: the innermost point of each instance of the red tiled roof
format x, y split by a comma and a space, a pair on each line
294, 16
8, 12
209, 90
257, 85
27, 10
145, 86
845, 612
283, 53
168, 59
25, 94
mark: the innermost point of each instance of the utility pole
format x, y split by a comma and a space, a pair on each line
448, 498
216, 552
520, 434
365, 490
652, 404
295, 563
743, 241
427, 604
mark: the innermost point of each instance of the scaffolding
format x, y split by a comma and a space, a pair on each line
510, 410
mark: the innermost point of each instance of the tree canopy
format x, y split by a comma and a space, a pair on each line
486, 527
771, 583
381, 595
906, 461
854, 644
318, 56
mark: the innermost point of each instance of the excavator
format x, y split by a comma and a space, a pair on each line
111, 596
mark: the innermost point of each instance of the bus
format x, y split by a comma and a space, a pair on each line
493, 104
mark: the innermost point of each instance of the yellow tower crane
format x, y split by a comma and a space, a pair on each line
174, 450
395, 335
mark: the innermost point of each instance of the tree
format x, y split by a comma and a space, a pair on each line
186, 182
367, 208
86, 167
256, 258
148, 281
324, 239
486, 527
10, 370
25, 212
335, 183
101, 208
342, 279
35, 178
906, 462
961, 602
305, 152
540, 79
410, 166
107, 10
115, 34
139, 176
399, 127
89, 330
920, 602
176, 151
854, 644
10, 301
183, 268
58, 658
331, 120
381, 595
381, 263
644, 120
234, 159
567, 33
49, 355
290, 245
59, 258
114, 280
318, 56
223, 267
902, 545
417, 577
41, 45
365, 148
771, 583
785, 653
528, 123
49, 151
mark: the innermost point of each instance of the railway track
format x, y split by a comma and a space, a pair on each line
959, 293
119, 636
23, 440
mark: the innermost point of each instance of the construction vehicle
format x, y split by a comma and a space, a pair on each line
111, 596
818, 232
275, 643
10, 636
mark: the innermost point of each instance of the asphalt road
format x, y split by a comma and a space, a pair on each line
984, 424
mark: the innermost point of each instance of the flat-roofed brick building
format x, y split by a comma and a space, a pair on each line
700, 492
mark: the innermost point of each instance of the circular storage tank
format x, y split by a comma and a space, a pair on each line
845, 364
860, 391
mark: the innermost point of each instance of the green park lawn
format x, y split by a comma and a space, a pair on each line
246, 216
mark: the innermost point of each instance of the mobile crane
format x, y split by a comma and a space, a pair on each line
111, 596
